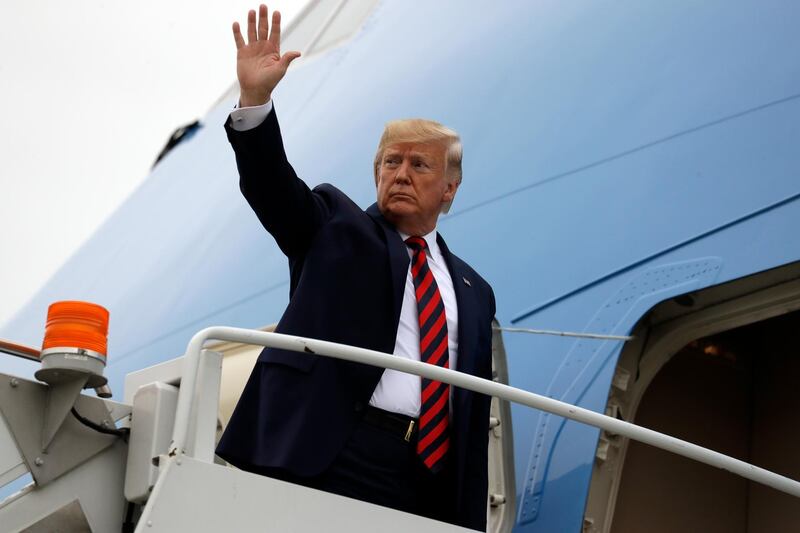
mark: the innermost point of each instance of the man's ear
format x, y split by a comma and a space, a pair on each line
450, 190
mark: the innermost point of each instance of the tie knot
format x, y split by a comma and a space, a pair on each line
416, 243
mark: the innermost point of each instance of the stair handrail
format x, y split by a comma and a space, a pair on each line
466, 381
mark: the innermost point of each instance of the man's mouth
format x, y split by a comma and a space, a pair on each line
402, 196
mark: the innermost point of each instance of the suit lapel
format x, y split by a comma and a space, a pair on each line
398, 259
467, 363
465, 299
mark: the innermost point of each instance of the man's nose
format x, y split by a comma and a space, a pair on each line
402, 172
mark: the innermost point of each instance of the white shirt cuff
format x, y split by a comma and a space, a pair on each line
247, 118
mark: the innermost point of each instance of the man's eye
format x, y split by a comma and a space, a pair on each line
421, 164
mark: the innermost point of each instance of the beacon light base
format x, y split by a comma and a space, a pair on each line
60, 365
67, 371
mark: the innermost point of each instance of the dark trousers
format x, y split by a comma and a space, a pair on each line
379, 466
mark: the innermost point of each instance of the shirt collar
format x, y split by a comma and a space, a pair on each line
430, 239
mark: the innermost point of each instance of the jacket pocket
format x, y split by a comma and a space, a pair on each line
301, 361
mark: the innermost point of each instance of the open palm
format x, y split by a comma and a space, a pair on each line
259, 64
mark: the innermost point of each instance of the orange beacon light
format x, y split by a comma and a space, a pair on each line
81, 325
75, 343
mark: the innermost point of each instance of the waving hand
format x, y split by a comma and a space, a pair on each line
259, 64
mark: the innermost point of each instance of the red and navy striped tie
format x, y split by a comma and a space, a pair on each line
434, 435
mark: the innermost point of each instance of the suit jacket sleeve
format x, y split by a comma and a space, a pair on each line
284, 204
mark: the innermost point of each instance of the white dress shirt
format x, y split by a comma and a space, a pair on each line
396, 391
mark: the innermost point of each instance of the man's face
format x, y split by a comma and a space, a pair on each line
412, 186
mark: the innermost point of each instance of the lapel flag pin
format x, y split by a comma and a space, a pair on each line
466, 282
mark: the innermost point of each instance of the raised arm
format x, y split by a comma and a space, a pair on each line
283, 203
259, 63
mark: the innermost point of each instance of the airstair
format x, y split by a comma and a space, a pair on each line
147, 464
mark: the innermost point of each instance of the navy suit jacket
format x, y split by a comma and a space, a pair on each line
347, 276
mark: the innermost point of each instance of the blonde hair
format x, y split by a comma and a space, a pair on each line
418, 130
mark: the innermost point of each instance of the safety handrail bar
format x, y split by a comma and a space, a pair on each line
504, 392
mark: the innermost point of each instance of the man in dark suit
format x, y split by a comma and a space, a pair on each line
373, 434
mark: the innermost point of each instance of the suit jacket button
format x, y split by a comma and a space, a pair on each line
358, 407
